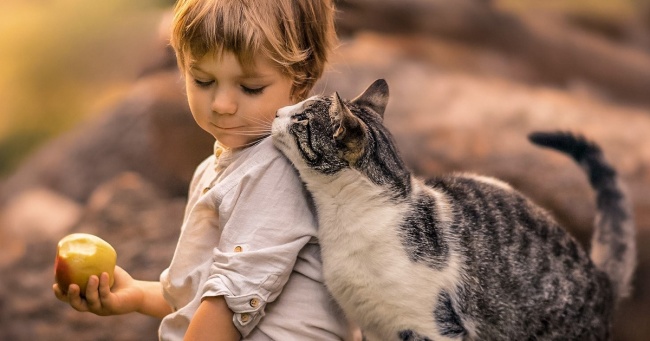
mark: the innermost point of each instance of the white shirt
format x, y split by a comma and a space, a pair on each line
249, 234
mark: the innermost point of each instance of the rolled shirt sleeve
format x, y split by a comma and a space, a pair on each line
266, 220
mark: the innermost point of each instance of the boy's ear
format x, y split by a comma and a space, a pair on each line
374, 97
348, 129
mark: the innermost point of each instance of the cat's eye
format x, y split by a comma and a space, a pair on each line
300, 118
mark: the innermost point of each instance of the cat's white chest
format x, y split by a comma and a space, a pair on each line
365, 265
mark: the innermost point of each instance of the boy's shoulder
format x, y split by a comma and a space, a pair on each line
262, 162
265, 152
262, 152
261, 158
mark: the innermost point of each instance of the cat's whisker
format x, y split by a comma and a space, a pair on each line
257, 129
252, 132
251, 143
254, 135
259, 120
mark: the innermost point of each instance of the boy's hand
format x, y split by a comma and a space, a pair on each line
126, 295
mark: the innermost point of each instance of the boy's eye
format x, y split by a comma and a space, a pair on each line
203, 84
253, 91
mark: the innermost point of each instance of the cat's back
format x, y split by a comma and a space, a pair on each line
482, 203
525, 273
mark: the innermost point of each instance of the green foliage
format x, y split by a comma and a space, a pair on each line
59, 58
15, 146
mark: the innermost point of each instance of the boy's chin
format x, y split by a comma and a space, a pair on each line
234, 142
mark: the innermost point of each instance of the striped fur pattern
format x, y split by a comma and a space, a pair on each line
455, 257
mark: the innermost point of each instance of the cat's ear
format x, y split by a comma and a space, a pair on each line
374, 97
344, 121
348, 129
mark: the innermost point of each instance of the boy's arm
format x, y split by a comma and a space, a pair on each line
212, 321
153, 302
127, 295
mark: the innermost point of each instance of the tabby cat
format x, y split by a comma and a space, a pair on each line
456, 257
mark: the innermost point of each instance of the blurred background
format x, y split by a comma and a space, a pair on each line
96, 136
62, 60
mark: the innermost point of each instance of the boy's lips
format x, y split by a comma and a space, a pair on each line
225, 128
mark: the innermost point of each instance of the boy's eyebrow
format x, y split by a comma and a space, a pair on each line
252, 75
196, 67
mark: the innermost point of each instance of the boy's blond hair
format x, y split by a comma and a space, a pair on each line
296, 34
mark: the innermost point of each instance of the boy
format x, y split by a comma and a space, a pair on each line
247, 264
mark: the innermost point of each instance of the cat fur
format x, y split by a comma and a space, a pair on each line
455, 257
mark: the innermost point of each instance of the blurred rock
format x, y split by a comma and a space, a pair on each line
11, 249
39, 213
138, 221
558, 52
139, 133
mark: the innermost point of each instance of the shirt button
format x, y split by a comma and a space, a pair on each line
238, 248
218, 151
245, 317
205, 190
254, 302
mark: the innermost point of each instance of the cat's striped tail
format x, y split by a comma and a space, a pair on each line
613, 245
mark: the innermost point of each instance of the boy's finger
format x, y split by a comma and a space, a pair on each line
92, 293
58, 293
75, 300
104, 286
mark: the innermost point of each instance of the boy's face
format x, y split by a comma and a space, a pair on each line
236, 107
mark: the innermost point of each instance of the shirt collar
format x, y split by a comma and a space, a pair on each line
218, 149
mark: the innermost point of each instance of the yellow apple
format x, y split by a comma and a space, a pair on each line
80, 255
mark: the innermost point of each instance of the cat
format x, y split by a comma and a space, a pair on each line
455, 257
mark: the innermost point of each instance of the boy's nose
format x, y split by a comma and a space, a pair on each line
224, 103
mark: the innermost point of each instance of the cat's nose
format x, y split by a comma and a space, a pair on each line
280, 112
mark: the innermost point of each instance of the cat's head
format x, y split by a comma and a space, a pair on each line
327, 134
